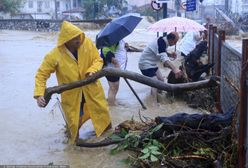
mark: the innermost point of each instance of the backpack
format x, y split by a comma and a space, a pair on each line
102, 56
105, 50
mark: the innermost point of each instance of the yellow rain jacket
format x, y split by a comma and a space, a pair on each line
68, 70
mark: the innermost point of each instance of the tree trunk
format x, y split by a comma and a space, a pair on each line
213, 81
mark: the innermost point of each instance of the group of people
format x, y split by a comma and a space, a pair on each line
75, 58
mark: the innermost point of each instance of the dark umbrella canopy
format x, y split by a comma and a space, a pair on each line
116, 30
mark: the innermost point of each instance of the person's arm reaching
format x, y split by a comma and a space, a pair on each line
198, 36
178, 73
172, 55
97, 61
110, 57
47, 67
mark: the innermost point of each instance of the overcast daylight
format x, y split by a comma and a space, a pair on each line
123, 83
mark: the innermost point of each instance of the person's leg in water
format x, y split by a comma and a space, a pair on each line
155, 74
159, 77
81, 113
154, 91
88, 131
113, 89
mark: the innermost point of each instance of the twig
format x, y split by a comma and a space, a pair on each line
176, 135
232, 84
200, 123
190, 157
141, 117
147, 118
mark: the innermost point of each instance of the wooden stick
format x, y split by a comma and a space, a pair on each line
135, 94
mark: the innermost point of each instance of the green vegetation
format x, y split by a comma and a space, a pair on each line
146, 10
158, 147
10, 6
96, 9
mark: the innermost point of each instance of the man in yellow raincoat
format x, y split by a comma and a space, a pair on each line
74, 58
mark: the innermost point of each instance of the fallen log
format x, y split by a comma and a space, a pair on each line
213, 81
130, 48
105, 142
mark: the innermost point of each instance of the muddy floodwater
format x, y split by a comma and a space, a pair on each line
32, 135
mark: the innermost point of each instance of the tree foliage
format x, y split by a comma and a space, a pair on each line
96, 9
146, 10
10, 6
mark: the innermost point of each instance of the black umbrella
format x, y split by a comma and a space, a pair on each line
116, 30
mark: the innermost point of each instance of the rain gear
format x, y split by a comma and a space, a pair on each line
68, 69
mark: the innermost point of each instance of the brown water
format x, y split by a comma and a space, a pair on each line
31, 135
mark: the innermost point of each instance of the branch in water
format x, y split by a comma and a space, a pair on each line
213, 81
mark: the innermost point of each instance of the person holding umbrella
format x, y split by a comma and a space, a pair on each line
75, 58
113, 49
114, 56
156, 52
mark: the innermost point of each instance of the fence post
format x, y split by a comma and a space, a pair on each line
243, 106
210, 29
212, 47
221, 38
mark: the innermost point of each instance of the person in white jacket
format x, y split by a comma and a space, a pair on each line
189, 41
156, 52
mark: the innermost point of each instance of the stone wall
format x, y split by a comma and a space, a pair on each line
48, 25
31, 25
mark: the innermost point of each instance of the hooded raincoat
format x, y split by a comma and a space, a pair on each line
68, 70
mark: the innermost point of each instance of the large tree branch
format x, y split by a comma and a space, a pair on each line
213, 81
